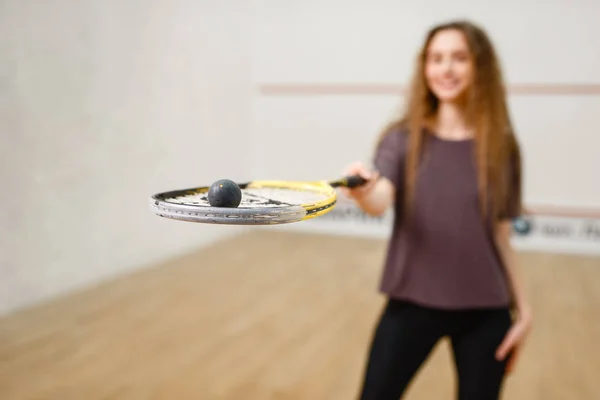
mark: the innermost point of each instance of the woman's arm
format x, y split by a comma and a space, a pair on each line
520, 329
515, 277
378, 199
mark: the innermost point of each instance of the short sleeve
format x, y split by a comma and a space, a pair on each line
390, 155
514, 196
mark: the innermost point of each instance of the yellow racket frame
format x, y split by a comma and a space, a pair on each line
314, 209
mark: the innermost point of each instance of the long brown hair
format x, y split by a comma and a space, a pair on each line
486, 111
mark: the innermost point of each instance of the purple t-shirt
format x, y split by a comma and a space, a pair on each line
446, 257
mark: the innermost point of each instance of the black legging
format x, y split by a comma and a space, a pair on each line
406, 335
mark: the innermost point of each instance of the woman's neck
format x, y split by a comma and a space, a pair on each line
450, 123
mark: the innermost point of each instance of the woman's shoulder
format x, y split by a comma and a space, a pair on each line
396, 134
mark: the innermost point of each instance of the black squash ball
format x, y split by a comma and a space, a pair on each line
224, 193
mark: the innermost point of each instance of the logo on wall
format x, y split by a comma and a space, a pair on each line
545, 227
522, 226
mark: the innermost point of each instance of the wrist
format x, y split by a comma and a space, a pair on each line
523, 310
361, 193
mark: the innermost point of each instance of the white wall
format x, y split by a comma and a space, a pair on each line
103, 103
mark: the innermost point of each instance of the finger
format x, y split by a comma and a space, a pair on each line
371, 178
364, 172
374, 175
507, 344
366, 187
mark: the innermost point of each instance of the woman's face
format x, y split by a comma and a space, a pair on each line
449, 66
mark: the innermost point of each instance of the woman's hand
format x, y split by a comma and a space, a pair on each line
375, 196
359, 192
513, 342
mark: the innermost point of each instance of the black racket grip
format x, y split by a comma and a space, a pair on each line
355, 181
351, 181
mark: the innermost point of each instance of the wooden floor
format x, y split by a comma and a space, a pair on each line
274, 316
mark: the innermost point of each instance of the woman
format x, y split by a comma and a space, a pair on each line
451, 169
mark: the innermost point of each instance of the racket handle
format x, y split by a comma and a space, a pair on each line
351, 181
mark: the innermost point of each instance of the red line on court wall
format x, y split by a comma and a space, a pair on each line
566, 212
358, 89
